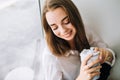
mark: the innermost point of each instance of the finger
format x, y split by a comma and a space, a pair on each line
96, 49
94, 69
95, 74
106, 56
101, 57
93, 63
103, 51
84, 62
106, 53
85, 68
90, 76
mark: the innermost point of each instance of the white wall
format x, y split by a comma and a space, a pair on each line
103, 14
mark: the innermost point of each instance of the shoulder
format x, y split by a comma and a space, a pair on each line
45, 54
42, 51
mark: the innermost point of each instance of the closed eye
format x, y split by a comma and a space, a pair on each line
66, 21
54, 27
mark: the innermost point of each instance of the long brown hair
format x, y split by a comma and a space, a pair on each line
57, 45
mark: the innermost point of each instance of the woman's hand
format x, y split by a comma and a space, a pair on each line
105, 55
87, 72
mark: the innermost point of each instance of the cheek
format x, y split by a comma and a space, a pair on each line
74, 28
57, 33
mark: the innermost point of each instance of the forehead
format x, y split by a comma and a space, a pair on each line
55, 16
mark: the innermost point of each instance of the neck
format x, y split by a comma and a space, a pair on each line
72, 44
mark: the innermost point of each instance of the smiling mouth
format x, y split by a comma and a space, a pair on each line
68, 34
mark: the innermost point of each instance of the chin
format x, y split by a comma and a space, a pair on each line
69, 39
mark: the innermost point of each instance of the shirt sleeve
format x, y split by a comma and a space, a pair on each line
45, 64
96, 41
49, 68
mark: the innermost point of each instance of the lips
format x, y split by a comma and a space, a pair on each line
67, 34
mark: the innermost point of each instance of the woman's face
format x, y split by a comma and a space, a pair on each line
60, 24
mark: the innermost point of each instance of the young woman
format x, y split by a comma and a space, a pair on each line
66, 37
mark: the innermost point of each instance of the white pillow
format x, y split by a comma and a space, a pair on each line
20, 73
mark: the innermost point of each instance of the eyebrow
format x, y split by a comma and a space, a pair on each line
61, 20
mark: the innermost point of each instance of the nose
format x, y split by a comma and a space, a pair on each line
63, 29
